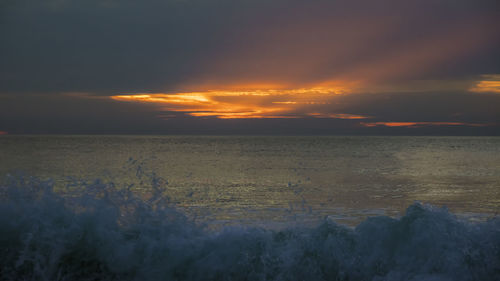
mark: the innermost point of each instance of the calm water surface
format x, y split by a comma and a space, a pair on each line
257, 179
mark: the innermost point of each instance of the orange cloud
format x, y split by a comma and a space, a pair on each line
489, 84
3, 133
247, 103
337, 115
419, 124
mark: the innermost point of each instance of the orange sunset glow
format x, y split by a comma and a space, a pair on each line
250, 67
246, 103
490, 84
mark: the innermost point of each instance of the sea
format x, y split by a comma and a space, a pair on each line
249, 207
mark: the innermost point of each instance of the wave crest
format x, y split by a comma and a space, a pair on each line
98, 232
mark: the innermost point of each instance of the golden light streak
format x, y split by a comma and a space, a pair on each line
238, 115
490, 84
285, 102
338, 116
165, 98
420, 124
246, 103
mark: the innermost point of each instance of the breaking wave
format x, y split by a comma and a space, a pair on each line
98, 232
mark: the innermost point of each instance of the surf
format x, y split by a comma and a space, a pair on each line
96, 231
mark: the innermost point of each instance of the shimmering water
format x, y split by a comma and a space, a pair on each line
249, 208
258, 180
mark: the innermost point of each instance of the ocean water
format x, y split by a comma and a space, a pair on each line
249, 208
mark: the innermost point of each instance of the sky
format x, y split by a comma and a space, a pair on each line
292, 67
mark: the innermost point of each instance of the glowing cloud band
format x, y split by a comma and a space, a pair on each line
489, 84
232, 104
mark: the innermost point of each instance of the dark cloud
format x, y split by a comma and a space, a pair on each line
46, 114
114, 46
107, 47
424, 107
77, 114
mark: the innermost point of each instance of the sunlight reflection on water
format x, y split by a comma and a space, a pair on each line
256, 179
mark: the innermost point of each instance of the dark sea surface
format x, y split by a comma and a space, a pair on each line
249, 208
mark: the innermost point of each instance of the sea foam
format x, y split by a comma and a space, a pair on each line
94, 231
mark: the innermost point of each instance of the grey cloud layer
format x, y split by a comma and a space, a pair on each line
109, 47
115, 46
